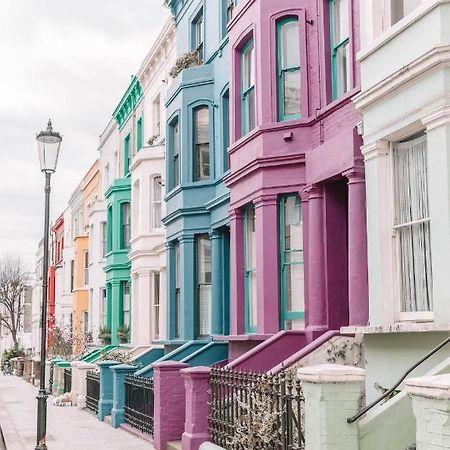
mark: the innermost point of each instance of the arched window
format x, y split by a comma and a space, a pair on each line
201, 144
289, 77
157, 203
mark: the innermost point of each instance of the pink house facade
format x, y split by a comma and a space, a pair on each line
298, 223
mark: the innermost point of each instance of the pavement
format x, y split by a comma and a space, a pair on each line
68, 428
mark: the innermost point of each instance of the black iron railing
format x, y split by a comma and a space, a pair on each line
92, 391
253, 410
67, 380
50, 378
390, 391
139, 403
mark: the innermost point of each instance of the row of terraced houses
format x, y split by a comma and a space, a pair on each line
271, 193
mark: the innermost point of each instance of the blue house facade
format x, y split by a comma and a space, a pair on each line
197, 200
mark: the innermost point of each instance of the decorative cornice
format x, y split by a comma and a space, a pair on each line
129, 101
387, 88
375, 149
314, 191
437, 118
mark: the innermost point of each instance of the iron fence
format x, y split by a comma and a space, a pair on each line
92, 391
50, 379
253, 410
67, 380
139, 403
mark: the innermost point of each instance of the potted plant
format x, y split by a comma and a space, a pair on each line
104, 335
189, 59
123, 333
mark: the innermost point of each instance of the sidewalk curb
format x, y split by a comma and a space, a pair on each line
10, 436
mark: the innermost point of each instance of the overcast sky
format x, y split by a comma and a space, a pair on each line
70, 61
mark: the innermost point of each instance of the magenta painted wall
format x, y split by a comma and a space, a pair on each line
317, 156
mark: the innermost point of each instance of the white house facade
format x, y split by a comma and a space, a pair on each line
148, 247
405, 103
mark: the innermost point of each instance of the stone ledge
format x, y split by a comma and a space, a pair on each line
435, 387
398, 327
331, 373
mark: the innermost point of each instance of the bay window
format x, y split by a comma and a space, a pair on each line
291, 262
126, 155
126, 304
248, 87
340, 47
157, 203
201, 143
156, 304
125, 217
175, 144
177, 306
203, 253
412, 225
250, 269
289, 76
139, 134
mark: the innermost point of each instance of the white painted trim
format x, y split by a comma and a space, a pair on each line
430, 61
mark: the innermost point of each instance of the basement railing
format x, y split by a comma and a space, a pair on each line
139, 403
92, 391
255, 410
67, 380
396, 385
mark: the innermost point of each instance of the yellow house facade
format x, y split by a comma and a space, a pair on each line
89, 192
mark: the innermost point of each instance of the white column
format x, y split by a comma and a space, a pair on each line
332, 394
431, 405
380, 249
83, 368
75, 380
438, 150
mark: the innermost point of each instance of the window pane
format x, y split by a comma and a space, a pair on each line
202, 143
411, 205
251, 298
292, 101
156, 300
126, 304
341, 25
400, 8
292, 269
126, 231
248, 75
343, 69
204, 284
290, 45
202, 125
251, 239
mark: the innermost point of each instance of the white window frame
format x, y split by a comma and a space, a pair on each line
156, 306
402, 316
157, 115
156, 203
103, 239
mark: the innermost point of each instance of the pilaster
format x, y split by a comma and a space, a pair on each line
358, 294
237, 272
267, 264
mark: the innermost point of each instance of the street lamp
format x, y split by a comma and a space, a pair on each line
49, 143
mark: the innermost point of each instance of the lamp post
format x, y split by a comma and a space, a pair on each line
49, 143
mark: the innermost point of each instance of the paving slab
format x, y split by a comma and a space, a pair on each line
68, 428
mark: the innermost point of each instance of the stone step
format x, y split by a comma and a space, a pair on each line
174, 445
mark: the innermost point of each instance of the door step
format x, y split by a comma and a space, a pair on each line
174, 445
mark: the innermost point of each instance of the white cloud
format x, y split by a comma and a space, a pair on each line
70, 61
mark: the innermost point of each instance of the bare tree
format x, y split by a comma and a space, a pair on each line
13, 280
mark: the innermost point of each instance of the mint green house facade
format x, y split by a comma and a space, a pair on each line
118, 198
